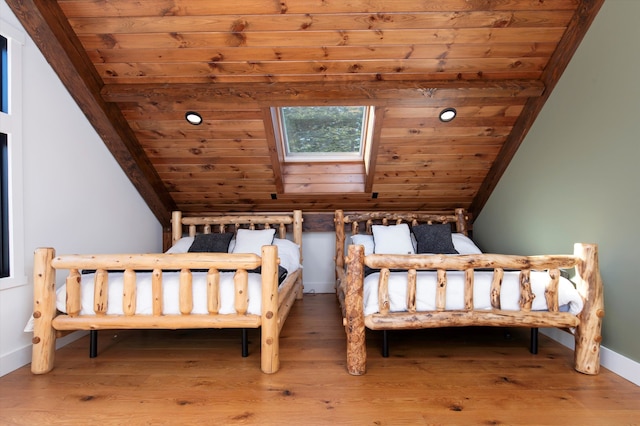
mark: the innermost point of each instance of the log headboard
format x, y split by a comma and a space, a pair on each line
363, 221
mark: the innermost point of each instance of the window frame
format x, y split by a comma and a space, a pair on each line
11, 126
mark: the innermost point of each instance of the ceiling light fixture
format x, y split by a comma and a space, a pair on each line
193, 118
447, 114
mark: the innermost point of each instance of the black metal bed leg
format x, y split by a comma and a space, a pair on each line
385, 344
245, 343
93, 343
534, 341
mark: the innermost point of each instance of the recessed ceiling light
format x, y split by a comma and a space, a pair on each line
447, 114
193, 117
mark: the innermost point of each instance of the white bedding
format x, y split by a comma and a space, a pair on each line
568, 298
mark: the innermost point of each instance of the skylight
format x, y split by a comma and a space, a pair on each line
324, 133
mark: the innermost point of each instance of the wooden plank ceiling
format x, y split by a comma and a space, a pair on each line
136, 67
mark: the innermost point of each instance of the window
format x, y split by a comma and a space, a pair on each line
323, 149
11, 214
324, 133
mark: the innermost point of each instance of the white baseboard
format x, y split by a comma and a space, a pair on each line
21, 357
613, 361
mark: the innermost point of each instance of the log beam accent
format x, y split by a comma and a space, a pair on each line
270, 346
588, 332
44, 311
354, 306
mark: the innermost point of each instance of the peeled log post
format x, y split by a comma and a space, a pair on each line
44, 310
129, 292
496, 287
241, 291
383, 291
213, 291
551, 292
468, 289
270, 333
526, 295
588, 332
73, 293
412, 278
157, 298
100, 292
354, 307
176, 226
441, 290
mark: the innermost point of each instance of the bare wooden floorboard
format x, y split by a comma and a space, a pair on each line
446, 376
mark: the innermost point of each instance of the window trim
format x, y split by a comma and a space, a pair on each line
11, 125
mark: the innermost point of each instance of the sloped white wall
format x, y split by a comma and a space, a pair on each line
76, 197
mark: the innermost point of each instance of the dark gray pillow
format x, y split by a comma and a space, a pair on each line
211, 243
434, 239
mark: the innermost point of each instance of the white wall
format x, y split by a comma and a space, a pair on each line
76, 197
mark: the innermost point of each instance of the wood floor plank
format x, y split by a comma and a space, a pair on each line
437, 376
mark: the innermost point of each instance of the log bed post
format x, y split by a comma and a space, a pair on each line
588, 332
297, 238
270, 351
354, 307
44, 310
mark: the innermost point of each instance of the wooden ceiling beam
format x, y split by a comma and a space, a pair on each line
49, 29
272, 93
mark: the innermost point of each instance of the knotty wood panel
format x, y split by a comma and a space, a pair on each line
135, 68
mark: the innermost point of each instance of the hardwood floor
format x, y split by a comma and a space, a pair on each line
447, 376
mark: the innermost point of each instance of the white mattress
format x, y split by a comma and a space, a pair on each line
569, 298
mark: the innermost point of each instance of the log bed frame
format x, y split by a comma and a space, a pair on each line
276, 300
350, 279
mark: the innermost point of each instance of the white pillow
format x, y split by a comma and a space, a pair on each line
392, 239
289, 254
252, 240
464, 244
181, 246
365, 240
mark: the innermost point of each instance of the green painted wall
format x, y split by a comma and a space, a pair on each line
576, 175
